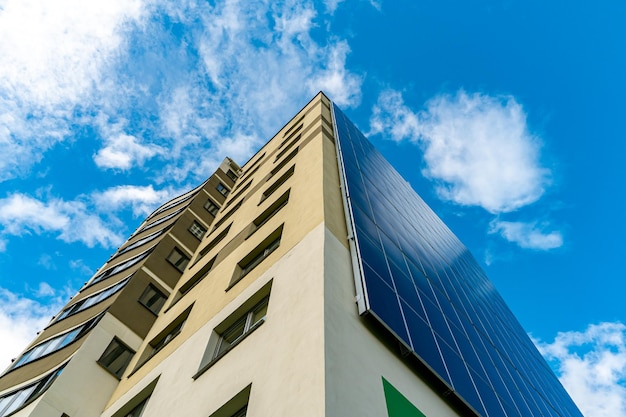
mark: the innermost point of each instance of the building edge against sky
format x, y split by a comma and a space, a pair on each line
310, 281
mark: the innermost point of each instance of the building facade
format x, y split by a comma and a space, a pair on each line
312, 281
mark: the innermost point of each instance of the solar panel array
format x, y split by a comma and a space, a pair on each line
426, 288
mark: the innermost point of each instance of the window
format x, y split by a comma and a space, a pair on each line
222, 189
138, 410
143, 240
291, 135
178, 259
269, 212
197, 230
231, 175
56, 343
167, 337
215, 241
152, 298
242, 412
13, 401
137, 406
248, 174
236, 406
169, 333
258, 254
211, 207
173, 203
241, 328
122, 266
234, 197
93, 299
286, 149
161, 220
248, 317
227, 215
116, 357
280, 181
249, 170
198, 276
284, 162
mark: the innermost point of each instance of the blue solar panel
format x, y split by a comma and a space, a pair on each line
422, 284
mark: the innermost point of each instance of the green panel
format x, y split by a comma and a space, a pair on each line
397, 404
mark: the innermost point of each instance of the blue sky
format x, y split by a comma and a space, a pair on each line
507, 117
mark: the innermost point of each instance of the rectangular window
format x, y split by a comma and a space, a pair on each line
248, 175
231, 175
290, 136
197, 277
284, 162
138, 411
211, 207
197, 230
236, 196
294, 125
280, 181
236, 406
248, 170
217, 239
258, 255
241, 328
169, 333
269, 212
286, 149
178, 259
153, 299
223, 190
116, 357
227, 215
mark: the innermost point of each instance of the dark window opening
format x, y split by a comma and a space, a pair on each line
153, 299
178, 259
116, 357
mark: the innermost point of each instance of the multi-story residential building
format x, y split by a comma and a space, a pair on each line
312, 281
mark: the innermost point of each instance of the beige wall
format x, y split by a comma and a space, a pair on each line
283, 359
84, 387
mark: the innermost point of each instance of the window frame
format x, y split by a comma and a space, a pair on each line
195, 229
248, 327
96, 297
158, 292
278, 183
222, 189
269, 212
109, 350
181, 263
259, 299
257, 255
212, 207
32, 392
56, 343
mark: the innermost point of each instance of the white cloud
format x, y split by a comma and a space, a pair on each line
141, 199
477, 147
72, 221
44, 290
592, 367
331, 5
256, 59
20, 319
527, 235
53, 55
231, 70
342, 87
124, 152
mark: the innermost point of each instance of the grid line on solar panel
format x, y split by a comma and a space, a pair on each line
413, 263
